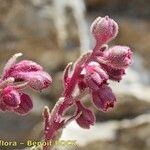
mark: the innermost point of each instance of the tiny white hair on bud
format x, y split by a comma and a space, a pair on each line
94, 63
18, 55
10, 80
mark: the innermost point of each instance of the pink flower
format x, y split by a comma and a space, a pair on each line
103, 99
26, 104
94, 75
89, 75
15, 78
10, 97
114, 74
12, 100
104, 29
27, 66
87, 118
32, 73
119, 57
38, 80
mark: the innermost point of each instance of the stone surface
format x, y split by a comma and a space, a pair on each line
47, 27
131, 134
136, 8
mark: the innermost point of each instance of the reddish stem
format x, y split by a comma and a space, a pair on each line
67, 97
73, 81
67, 93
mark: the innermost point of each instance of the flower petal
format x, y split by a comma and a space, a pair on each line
103, 98
10, 97
95, 76
38, 80
26, 104
27, 66
114, 74
119, 57
87, 117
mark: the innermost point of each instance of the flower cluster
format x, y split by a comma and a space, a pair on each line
102, 64
15, 78
90, 75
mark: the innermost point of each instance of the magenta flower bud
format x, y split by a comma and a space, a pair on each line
87, 118
19, 76
23, 66
103, 99
114, 74
27, 66
119, 57
104, 29
38, 80
26, 104
10, 97
95, 76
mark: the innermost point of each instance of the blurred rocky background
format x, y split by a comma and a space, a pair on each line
55, 32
